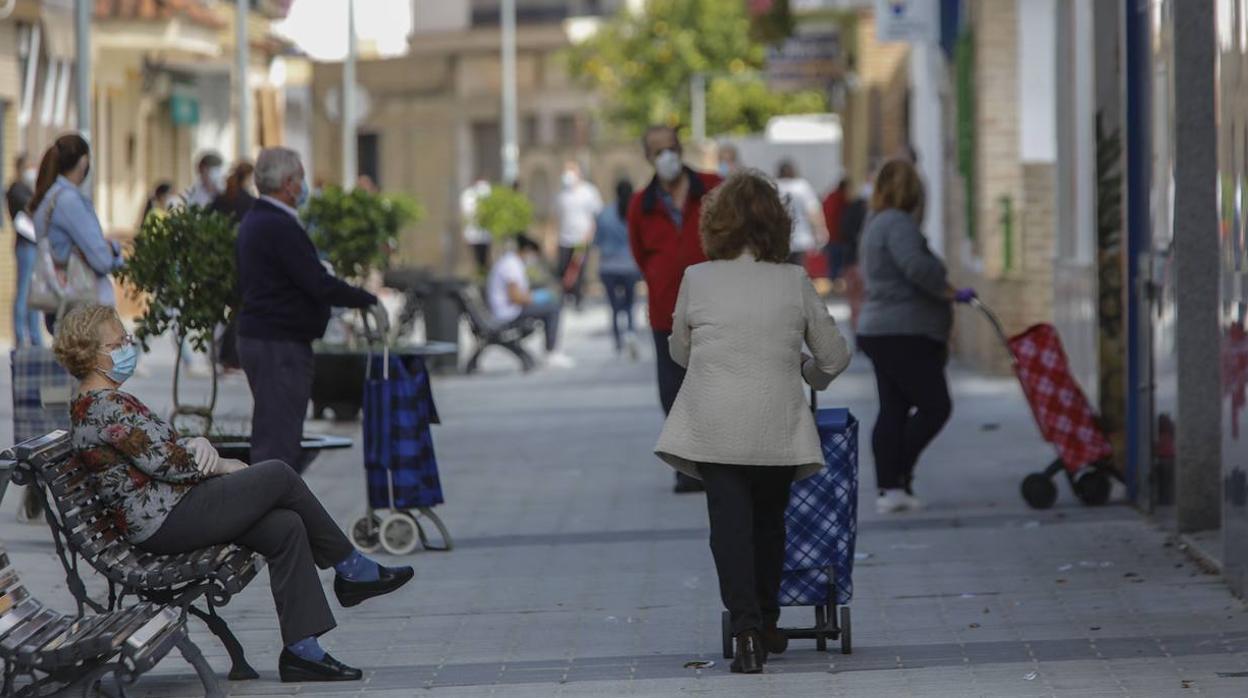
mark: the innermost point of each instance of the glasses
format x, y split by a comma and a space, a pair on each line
125, 341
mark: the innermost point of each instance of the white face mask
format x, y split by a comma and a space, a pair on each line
217, 177
29, 177
668, 165
569, 179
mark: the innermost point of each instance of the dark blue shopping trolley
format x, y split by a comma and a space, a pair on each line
400, 466
821, 526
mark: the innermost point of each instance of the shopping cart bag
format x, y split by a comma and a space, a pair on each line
399, 460
41, 393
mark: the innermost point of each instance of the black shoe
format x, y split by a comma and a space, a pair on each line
774, 640
750, 655
294, 669
354, 593
686, 484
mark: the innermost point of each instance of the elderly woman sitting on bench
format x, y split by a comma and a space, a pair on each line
172, 495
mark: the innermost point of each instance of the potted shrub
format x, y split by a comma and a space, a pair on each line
183, 264
356, 231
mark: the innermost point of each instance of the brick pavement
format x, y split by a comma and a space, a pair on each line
578, 573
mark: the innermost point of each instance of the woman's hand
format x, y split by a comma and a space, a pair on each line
225, 466
204, 453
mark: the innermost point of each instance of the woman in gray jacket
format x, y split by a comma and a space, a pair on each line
740, 422
904, 330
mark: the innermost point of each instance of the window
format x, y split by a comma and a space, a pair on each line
368, 157
530, 134
565, 130
487, 145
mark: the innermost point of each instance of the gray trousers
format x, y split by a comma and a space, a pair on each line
269, 509
280, 375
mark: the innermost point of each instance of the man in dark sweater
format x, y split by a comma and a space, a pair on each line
287, 295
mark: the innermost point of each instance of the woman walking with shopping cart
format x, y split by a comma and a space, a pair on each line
904, 330
740, 422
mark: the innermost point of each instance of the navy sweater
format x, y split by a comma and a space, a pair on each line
287, 294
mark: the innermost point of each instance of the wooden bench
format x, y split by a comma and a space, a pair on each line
489, 332
82, 529
60, 654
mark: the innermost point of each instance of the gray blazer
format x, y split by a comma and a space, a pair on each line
905, 282
739, 328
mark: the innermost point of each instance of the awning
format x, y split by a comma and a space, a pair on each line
57, 18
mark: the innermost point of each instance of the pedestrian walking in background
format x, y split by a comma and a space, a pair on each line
904, 330
834, 205
663, 234
576, 207
287, 295
159, 203
729, 159
26, 321
512, 298
209, 181
237, 198
809, 230
64, 214
741, 422
234, 203
852, 219
617, 269
478, 238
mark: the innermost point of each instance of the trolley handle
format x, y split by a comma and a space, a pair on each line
994, 321
377, 332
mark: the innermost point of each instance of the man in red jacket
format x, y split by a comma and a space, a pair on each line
663, 233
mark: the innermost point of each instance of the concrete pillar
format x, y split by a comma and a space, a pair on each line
1198, 473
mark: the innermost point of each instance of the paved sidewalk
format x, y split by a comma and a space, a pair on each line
577, 572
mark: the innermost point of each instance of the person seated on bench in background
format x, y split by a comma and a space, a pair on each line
511, 300
171, 495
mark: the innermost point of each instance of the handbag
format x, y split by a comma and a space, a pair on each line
56, 288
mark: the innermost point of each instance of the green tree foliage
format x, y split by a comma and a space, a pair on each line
183, 263
504, 212
643, 64
356, 230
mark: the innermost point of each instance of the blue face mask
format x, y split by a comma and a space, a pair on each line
304, 193
125, 360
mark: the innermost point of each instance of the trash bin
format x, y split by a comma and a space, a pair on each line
442, 310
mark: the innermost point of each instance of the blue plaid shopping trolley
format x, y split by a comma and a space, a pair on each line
821, 527
400, 466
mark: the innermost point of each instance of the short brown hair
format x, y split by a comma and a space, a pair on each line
897, 186
77, 343
746, 213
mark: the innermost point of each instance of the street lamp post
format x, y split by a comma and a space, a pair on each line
242, 50
349, 165
510, 151
82, 33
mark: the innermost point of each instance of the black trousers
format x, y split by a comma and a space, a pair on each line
280, 375
577, 291
481, 255
914, 403
671, 376
746, 505
269, 509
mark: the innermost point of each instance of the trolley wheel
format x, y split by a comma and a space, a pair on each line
399, 533
847, 633
366, 533
725, 624
821, 628
1039, 491
1093, 487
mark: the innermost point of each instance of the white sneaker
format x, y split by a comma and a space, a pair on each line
632, 346
559, 360
913, 503
892, 502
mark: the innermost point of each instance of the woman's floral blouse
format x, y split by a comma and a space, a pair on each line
133, 458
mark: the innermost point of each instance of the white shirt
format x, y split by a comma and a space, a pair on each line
198, 195
577, 207
281, 205
509, 269
473, 233
800, 198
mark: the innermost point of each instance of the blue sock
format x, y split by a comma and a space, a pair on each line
357, 568
308, 648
